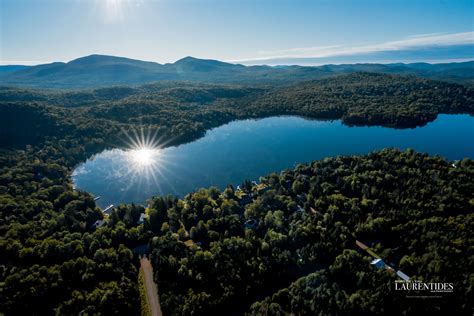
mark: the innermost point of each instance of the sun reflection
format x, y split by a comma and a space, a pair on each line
144, 156
148, 163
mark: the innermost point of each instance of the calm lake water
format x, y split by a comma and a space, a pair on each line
251, 148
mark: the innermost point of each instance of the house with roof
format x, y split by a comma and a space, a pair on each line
378, 263
243, 197
98, 223
142, 218
261, 188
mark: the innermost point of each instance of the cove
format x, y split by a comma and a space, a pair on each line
248, 149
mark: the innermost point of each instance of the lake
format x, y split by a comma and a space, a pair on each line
251, 148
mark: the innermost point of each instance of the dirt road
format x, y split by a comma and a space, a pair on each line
151, 289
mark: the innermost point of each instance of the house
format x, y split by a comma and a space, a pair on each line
261, 188
244, 198
378, 263
403, 276
142, 218
98, 223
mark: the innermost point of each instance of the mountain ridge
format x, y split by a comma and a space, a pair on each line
104, 70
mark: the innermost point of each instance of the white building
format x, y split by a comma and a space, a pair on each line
142, 218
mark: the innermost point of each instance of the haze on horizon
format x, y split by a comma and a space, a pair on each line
248, 32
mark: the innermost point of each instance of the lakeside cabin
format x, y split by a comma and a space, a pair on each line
245, 198
261, 188
142, 218
99, 223
378, 263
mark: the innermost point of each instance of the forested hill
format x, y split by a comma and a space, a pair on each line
99, 70
184, 111
370, 99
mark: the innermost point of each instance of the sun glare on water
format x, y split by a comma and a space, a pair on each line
143, 157
146, 159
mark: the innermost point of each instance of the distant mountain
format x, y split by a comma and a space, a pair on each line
102, 71
11, 68
191, 65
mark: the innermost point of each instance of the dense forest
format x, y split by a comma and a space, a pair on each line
289, 250
297, 256
300, 255
183, 112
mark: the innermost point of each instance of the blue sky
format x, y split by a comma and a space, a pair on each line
247, 31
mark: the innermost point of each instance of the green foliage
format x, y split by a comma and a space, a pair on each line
290, 251
183, 112
415, 210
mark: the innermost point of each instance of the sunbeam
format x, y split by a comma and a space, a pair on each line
144, 156
115, 10
147, 162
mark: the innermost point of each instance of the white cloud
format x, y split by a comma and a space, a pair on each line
412, 42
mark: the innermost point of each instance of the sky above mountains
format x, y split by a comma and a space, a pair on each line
246, 31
